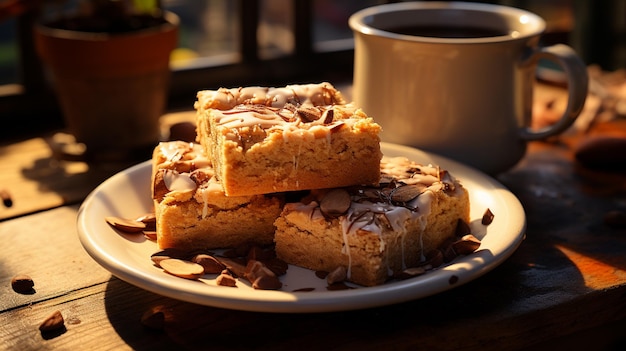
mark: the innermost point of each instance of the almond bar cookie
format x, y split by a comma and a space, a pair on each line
374, 232
264, 140
192, 210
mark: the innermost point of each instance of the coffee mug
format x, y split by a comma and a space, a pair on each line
456, 78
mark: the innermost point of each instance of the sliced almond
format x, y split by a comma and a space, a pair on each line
226, 279
126, 225
22, 284
150, 234
211, 264
329, 116
335, 203
308, 113
487, 217
466, 245
52, 322
406, 193
183, 269
338, 275
261, 277
149, 219
165, 254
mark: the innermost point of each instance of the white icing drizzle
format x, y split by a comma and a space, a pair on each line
314, 94
346, 251
285, 119
175, 181
370, 215
177, 152
205, 203
171, 151
244, 116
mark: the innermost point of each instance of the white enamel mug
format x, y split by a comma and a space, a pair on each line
466, 95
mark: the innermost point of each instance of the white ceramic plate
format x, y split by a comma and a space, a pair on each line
127, 194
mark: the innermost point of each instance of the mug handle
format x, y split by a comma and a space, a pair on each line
577, 86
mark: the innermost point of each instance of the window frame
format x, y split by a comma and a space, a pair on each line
33, 100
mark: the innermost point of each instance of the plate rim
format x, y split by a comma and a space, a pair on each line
465, 268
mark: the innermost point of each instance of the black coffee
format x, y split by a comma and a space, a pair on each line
447, 31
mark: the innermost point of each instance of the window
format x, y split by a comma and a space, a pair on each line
221, 43
8, 52
252, 42
264, 42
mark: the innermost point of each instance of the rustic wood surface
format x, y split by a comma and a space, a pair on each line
563, 288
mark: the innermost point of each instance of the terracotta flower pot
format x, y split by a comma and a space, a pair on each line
112, 87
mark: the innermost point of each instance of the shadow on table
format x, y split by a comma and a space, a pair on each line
71, 179
566, 206
493, 304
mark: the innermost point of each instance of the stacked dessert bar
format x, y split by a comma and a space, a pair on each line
299, 168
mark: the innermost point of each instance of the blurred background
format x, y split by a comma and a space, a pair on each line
272, 42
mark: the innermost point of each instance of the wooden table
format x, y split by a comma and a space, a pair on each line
565, 287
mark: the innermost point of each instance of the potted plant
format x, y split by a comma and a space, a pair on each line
109, 66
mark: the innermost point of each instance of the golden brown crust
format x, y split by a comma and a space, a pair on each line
192, 210
292, 155
306, 238
257, 145
264, 140
188, 225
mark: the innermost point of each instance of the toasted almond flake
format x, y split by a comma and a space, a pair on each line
328, 116
335, 203
338, 275
226, 279
164, 254
149, 219
466, 245
406, 193
126, 225
52, 322
210, 264
183, 269
487, 217
308, 113
22, 284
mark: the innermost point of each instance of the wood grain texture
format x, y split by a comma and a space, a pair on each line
539, 294
37, 179
563, 288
